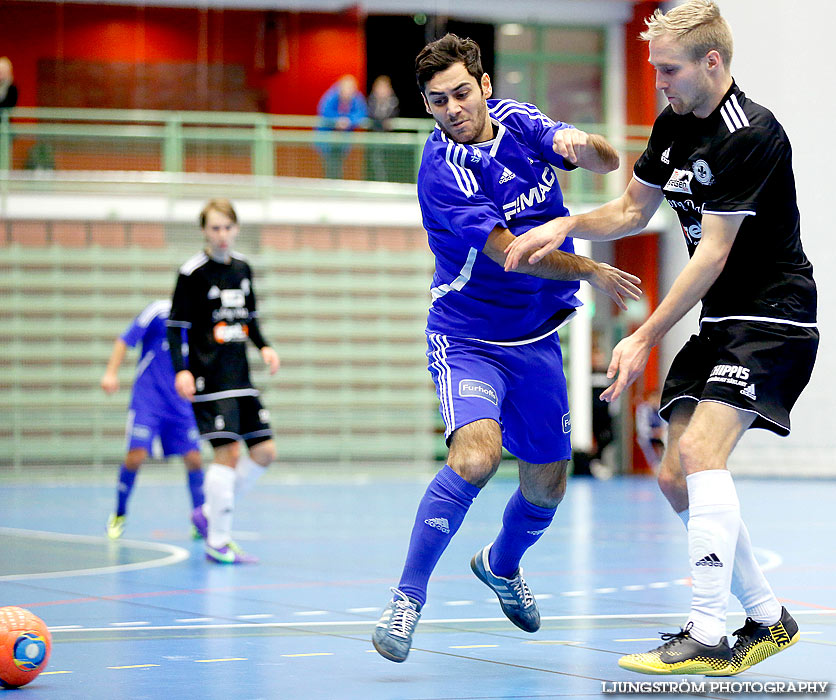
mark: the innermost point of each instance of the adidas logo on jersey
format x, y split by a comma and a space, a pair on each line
439, 524
507, 176
666, 156
749, 391
709, 560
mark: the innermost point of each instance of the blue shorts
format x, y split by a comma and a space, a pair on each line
521, 387
177, 431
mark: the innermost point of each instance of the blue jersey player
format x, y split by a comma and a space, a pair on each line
487, 175
156, 412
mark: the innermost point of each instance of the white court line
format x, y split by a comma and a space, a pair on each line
439, 621
175, 554
136, 623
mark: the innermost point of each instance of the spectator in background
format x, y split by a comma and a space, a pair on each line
383, 107
8, 89
342, 108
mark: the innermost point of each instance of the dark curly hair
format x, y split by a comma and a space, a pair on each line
442, 53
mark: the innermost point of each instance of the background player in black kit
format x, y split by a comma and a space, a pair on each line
214, 300
724, 164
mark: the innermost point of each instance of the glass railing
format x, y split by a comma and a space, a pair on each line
70, 149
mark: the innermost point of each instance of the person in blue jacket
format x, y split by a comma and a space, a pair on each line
341, 108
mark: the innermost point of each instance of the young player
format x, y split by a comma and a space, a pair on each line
487, 174
724, 164
156, 411
215, 302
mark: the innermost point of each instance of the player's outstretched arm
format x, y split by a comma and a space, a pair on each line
630, 356
110, 380
624, 216
588, 151
615, 283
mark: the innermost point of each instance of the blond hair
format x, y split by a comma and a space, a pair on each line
697, 25
220, 205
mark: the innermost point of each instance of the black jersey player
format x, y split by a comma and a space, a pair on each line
724, 164
215, 302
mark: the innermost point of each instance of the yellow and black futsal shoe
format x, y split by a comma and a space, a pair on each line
680, 653
756, 642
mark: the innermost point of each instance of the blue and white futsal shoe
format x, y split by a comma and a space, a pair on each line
515, 597
392, 637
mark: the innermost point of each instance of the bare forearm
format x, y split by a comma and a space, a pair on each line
613, 220
603, 158
117, 356
561, 266
690, 286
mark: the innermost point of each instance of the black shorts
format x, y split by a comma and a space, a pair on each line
223, 421
756, 366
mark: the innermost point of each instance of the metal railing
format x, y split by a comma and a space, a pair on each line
45, 148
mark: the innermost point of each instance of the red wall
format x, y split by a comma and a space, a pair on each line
642, 103
640, 254
315, 49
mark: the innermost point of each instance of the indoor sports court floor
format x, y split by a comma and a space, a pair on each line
148, 617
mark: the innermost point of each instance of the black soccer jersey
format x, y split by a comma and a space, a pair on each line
215, 302
737, 160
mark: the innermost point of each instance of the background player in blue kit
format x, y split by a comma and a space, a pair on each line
724, 164
156, 411
488, 174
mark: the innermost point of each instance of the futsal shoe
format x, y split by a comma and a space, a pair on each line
393, 635
200, 526
680, 654
230, 553
115, 526
756, 642
515, 597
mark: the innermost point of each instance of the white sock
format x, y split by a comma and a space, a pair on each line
750, 586
247, 472
713, 528
748, 583
219, 489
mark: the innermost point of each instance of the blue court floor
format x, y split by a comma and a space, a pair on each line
148, 617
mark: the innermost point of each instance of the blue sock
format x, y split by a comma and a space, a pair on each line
123, 489
196, 487
523, 524
440, 514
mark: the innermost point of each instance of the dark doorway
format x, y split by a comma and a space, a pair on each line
393, 42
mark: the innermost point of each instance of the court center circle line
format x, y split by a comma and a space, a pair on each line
174, 554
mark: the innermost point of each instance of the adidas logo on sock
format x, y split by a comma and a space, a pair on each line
709, 560
439, 524
507, 176
535, 533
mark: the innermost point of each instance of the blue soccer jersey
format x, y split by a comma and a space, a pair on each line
153, 388
465, 191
